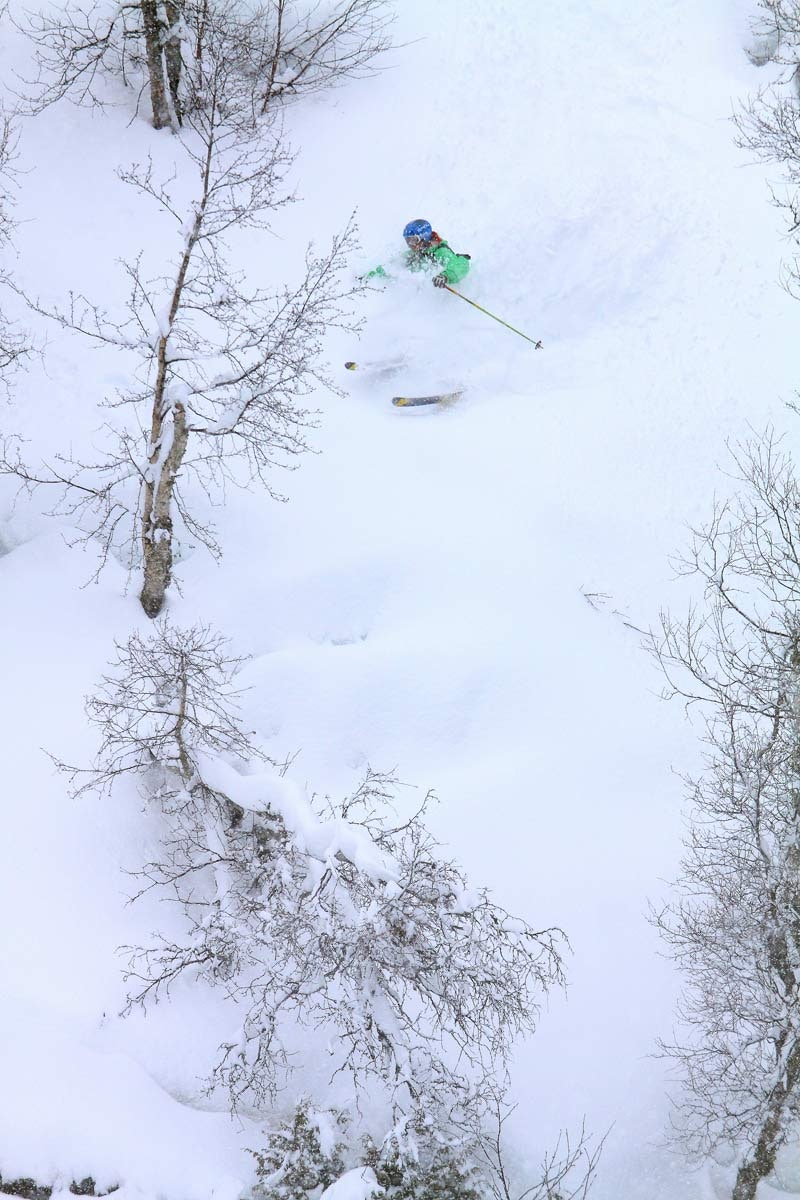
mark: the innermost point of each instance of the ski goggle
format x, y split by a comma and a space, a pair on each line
413, 240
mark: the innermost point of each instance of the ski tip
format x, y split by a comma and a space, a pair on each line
350, 366
400, 401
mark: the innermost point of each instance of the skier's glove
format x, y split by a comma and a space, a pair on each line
440, 280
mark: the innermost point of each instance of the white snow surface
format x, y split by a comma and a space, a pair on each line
417, 603
358, 1184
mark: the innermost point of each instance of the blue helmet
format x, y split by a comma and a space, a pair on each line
421, 229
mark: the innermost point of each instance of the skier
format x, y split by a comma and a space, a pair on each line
427, 251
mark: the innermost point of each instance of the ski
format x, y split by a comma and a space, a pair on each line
414, 401
376, 369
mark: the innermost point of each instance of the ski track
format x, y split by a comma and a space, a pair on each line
417, 604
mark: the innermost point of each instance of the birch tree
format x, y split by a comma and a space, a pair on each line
222, 367
334, 916
279, 50
734, 924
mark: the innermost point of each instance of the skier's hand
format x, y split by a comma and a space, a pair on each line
440, 280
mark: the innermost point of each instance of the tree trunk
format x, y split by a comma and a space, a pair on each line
275, 57
749, 1176
157, 512
761, 1162
199, 48
173, 58
164, 462
155, 64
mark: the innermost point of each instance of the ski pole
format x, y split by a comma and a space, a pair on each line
536, 345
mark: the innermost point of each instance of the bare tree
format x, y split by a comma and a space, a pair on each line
338, 917
278, 50
223, 368
566, 1172
734, 926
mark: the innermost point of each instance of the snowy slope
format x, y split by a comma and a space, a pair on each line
417, 603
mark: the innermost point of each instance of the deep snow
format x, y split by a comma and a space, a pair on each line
418, 601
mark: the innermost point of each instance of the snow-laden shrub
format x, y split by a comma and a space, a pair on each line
309, 1151
443, 1169
311, 1145
303, 1155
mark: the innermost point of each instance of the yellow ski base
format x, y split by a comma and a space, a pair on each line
415, 401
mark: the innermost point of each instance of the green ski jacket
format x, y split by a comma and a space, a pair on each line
439, 259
